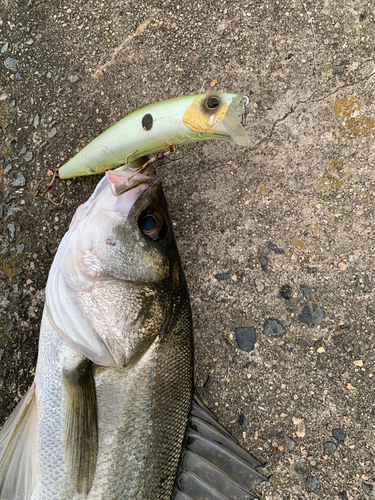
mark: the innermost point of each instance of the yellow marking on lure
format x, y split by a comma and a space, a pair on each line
204, 114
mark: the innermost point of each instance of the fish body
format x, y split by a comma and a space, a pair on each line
159, 126
111, 413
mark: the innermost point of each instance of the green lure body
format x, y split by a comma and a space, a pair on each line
159, 126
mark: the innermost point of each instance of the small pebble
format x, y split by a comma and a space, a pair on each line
20, 248
339, 434
49, 74
306, 291
1, 211
312, 270
4, 48
362, 17
273, 328
366, 284
12, 229
330, 446
223, 276
17, 77
343, 495
317, 315
36, 121
263, 263
369, 489
286, 440
338, 71
1, 353
274, 248
19, 181
312, 482
86, 117
73, 78
241, 419
285, 292
51, 134
259, 285
23, 150
246, 338
305, 315
7, 169
11, 63
28, 156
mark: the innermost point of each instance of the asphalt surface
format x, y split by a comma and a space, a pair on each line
286, 226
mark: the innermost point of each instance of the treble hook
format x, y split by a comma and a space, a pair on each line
244, 106
39, 193
157, 156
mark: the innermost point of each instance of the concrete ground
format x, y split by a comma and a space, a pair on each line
280, 231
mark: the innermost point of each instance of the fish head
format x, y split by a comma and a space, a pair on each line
218, 115
117, 273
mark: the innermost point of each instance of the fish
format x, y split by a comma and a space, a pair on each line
162, 125
112, 412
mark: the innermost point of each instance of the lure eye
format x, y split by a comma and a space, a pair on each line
213, 102
153, 225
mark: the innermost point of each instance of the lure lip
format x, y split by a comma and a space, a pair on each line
167, 128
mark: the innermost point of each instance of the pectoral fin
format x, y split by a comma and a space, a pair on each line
18, 450
80, 425
214, 466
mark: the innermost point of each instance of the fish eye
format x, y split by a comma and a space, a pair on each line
213, 102
153, 225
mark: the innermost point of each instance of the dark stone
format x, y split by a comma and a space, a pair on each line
28, 156
339, 435
312, 270
306, 291
318, 315
246, 338
1, 211
289, 56
343, 495
223, 276
19, 181
369, 489
330, 446
338, 71
305, 315
86, 117
362, 17
366, 284
241, 419
286, 440
274, 248
312, 482
263, 263
273, 328
285, 292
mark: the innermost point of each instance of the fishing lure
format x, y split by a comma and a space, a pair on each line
162, 125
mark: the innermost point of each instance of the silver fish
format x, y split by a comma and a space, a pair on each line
112, 413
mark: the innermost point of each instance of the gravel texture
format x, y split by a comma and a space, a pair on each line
296, 207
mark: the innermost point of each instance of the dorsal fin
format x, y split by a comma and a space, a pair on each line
214, 466
18, 450
80, 425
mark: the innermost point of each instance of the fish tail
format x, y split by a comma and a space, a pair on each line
17, 450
